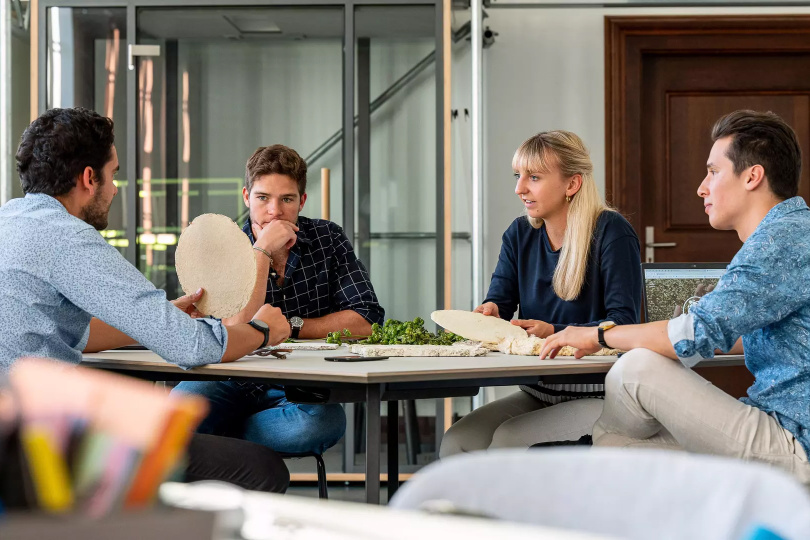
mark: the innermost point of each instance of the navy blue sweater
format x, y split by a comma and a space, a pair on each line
612, 288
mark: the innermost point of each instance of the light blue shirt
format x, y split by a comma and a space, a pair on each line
764, 296
57, 272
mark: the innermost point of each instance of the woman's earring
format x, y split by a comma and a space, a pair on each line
568, 198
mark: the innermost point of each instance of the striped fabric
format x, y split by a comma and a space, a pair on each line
559, 393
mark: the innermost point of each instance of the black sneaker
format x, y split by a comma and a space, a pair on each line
585, 440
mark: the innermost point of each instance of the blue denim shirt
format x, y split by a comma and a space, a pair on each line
56, 272
764, 296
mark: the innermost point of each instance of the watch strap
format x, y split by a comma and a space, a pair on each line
264, 330
600, 337
294, 331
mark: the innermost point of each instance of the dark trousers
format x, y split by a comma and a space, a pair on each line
239, 462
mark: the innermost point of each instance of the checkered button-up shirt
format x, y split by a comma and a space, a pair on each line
322, 276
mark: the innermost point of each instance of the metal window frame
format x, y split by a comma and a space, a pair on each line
348, 114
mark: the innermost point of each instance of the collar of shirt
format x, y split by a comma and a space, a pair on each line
782, 209
47, 200
304, 234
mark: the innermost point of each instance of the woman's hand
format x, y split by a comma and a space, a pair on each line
535, 328
489, 309
585, 339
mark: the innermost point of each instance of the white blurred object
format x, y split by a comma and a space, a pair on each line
633, 494
269, 516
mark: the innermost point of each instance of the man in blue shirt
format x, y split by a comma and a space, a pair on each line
308, 268
64, 290
761, 305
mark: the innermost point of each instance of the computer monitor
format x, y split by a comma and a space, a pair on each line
667, 285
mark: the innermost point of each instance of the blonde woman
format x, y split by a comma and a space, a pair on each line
571, 260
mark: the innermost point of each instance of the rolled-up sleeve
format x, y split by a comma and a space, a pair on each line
759, 288
112, 290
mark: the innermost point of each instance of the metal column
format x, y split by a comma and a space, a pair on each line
477, 43
363, 246
348, 119
132, 206
172, 153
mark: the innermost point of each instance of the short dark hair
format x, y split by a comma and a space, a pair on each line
276, 159
57, 147
763, 138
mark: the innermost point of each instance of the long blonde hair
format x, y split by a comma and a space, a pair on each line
566, 151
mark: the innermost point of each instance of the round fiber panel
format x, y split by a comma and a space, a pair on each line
476, 326
214, 253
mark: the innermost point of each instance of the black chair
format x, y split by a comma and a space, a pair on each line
322, 494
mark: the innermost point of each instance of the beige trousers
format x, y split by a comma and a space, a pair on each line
519, 421
654, 401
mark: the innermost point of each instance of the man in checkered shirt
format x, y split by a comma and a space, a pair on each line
306, 267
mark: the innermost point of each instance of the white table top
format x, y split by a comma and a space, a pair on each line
287, 517
311, 366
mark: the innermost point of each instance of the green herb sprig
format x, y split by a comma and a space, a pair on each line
395, 332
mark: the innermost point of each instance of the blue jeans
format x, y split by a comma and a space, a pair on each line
262, 414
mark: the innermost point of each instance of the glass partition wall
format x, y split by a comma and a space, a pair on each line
195, 87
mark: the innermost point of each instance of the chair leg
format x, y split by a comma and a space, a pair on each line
322, 494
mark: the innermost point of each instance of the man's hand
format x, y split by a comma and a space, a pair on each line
275, 235
535, 328
489, 309
583, 338
279, 327
186, 304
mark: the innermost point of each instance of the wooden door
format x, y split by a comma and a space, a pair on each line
668, 80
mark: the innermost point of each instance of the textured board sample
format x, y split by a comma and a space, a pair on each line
476, 326
305, 346
532, 345
214, 253
457, 349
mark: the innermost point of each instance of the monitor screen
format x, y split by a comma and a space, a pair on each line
668, 288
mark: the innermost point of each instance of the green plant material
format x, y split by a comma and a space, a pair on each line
337, 337
413, 332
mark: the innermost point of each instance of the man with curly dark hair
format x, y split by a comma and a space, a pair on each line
64, 290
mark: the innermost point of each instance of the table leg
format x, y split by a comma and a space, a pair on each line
393, 448
373, 443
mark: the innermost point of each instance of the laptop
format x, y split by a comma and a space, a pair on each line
667, 285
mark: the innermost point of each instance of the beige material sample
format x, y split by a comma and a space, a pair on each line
214, 253
457, 349
532, 345
476, 326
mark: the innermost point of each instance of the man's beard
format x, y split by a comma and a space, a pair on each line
95, 214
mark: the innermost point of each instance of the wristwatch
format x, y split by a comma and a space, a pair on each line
296, 324
262, 327
603, 327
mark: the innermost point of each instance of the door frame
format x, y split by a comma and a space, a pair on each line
628, 39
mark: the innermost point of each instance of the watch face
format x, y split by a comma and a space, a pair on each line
296, 322
260, 323
607, 325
